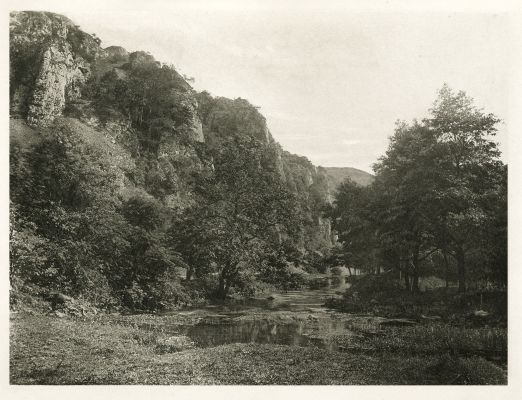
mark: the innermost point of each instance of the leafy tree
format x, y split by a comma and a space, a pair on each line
440, 176
241, 212
402, 188
439, 192
468, 174
352, 221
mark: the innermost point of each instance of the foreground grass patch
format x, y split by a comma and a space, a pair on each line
46, 350
438, 338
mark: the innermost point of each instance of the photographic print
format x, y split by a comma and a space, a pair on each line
258, 193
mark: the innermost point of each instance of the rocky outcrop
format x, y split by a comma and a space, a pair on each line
59, 55
225, 117
60, 80
141, 57
194, 125
310, 185
116, 54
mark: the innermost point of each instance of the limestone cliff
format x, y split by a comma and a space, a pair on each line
149, 114
50, 62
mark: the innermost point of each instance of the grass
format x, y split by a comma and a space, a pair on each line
436, 338
48, 350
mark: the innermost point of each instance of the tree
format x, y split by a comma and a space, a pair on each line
351, 220
242, 212
441, 176
469, 169
440, 191
403, 180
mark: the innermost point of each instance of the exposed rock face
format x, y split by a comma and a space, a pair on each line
52, 61
60, 78
311, 187
195, 127
116, 54
141, 57
57, 52
224, 117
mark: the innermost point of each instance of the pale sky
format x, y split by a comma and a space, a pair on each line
331, 79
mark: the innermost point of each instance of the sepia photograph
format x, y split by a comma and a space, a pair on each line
258, 193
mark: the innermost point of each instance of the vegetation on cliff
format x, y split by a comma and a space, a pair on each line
133, 190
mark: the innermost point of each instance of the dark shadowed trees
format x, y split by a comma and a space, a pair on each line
439, 189
242, 211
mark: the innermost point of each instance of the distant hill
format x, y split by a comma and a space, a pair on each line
336, 175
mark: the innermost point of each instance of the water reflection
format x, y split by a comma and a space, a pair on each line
261, 331
231, 322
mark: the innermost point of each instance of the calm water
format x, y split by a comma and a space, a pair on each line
227, 323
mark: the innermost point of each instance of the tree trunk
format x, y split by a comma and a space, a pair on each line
407, 280
227, 288
350, 271
461, 265
446, 270
415, 281
415, 263
190, 271
222, 293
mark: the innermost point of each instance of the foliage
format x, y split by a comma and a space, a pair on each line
438, 201
370, 286
239, 216
278, 271
352, 221
70, 231
153, 97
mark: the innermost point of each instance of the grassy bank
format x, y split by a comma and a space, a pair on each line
49, 350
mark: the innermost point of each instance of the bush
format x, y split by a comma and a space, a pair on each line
202, 288
377, 287
294, 281
245, 284
166, 293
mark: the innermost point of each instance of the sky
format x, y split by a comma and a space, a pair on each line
331, 78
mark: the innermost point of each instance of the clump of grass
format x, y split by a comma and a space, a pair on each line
439, 338
465, 371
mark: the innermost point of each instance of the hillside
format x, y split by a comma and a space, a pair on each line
130, 156
336, 175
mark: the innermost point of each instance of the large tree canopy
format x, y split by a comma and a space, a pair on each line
242, 211
439, 189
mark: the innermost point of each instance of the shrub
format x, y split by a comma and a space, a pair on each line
294, 281
166, 293
369, 287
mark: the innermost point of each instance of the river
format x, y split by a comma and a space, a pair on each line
291, 318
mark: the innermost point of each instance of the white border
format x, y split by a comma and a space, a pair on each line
514, 388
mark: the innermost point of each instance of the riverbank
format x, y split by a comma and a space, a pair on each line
142, 350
